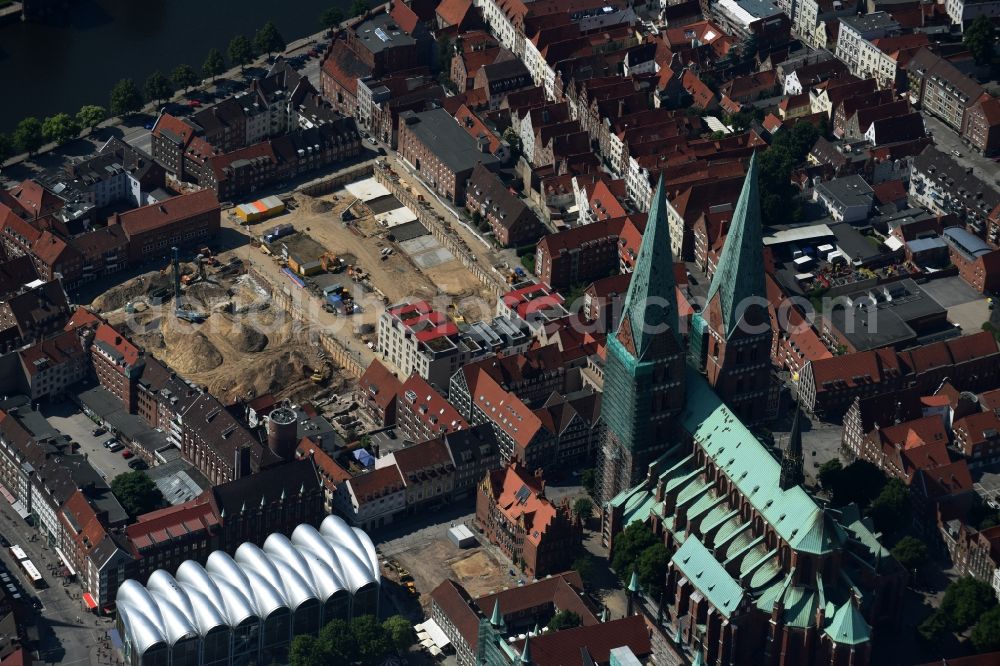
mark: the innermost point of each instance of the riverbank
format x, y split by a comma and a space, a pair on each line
60, 66
206, 88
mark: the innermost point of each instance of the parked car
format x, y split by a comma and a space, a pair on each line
194, 103
116, 447
127, 453
137, 463
109, 442
98, 431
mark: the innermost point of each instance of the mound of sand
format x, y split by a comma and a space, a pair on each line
190, 350
206, 292
116, 297
246, 338
312, 205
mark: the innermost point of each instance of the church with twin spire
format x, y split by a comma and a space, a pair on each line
761, 572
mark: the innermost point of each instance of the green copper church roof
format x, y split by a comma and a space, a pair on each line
651, 301
849, 626
740, 273
705, 573
792, 513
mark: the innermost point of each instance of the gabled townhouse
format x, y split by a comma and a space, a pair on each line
940, 88
513, 223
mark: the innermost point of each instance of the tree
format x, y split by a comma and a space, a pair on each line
184, 77
338, 642
400, 633
565, 619
214, 65
268, 39
513, 140
986, 633
157, 87
860, 483
584, 565
588, 479
652, 569
583, 509
628, 546
6, 148
125, 98
934, 628
980, 38
240, 51
359, 7
965, 601
828, 472
910, 552
28, 136
60, 128
892, 509
372, 642
307, 650
91, 115
136, 492
331, 18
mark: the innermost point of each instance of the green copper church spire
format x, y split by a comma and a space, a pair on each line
497, 619
791, 456
651, 301
740, 273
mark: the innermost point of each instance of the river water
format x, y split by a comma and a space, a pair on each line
48, 68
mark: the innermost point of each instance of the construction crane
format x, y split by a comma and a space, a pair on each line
179, 310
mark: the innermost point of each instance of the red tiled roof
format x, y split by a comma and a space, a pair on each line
376, 483
175, 126
504, 409
157, 215
452, 12
380, 383
890, 191
112, 338
519, 496
405, 17
157, 529
562, 648
562, 590
328, 467
434, 411
456, 604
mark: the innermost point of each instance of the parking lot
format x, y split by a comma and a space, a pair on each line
68, 419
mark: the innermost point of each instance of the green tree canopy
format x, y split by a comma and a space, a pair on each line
986, 633
338, 642
980, 39
91, 115
331, 18
6, 147
400, 633
214, 65
125, 98
268, 39
240, 51
860, 482
910, 552
565, 619
585, 566
28, 135
307, 650
778, 200
359, 7
588, 479
158, 87
892, 509
583, 508
136, 492
965, 601
60, 128
184, 77
828, 473
934, 628
652, 569
371, 640
628, 546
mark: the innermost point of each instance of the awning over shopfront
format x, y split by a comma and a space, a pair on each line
66, 562
88, 599
21, 510
6, 494
430, 631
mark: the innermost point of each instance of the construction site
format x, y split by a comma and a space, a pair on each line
222, 333
353, 251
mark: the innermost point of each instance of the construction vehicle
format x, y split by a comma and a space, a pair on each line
412, 589
206, 254
330, 263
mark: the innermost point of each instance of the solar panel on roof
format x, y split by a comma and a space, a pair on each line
522, 494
